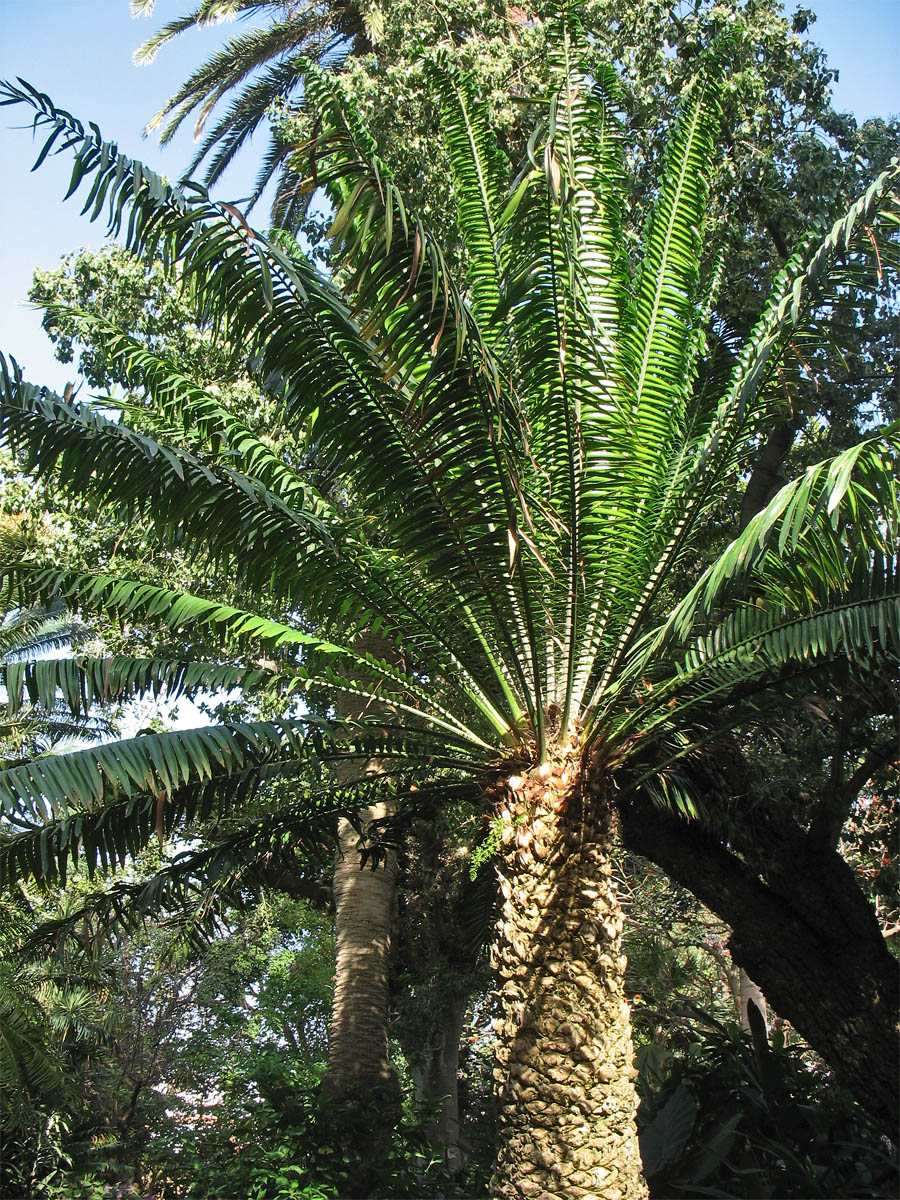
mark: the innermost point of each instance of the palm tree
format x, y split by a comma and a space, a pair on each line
529, 460
260, 67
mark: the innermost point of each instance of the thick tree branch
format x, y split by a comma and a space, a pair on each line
805, 932
765, 478
837, 799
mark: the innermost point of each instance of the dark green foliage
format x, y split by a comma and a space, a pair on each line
297, 1138
140, 1034
277, 1136
739, 1116
55, 1017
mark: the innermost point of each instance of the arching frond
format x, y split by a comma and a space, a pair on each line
105, 803
198, 888
228, 67
207, 12
84, 682
850, 501
29, 1065
814, 578
26, 632
232, 515
800, 302
251, 72
339, 670
481, 177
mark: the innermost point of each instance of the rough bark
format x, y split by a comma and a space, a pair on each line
806, 932
565, 1073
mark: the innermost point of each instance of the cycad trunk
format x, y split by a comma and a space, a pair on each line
565, 1075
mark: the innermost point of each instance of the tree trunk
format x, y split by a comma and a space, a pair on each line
765, 481
565, 1073
358, 1059
435, 1076
436, 968
363, 898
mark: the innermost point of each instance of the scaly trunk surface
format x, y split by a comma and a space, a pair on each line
565, 1073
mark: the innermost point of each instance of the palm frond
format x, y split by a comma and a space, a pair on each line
657, 346
239, 122
339, 670
25, 632
236, 861
259, 68
105, 803
801, 295
206, 13
36, 730
851, 499
800, 300
480, 182
521, 460
231, 515
82, 682
813, 579
227, 68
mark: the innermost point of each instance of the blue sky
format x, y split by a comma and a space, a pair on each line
79, 52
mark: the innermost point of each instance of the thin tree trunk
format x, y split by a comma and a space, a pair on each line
363, 898
435, 1076
565, 1073
436, 969
358, 1059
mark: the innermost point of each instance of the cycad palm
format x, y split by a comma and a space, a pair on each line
531, 455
